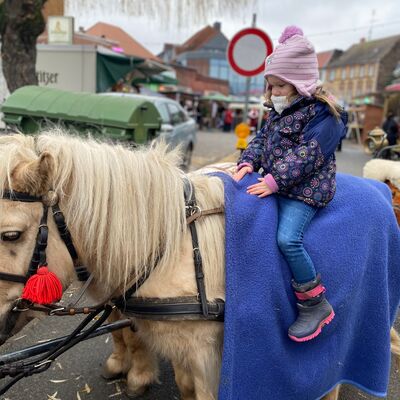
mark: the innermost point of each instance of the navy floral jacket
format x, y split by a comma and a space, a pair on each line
297, 148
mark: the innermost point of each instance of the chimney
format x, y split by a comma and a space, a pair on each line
217, 26
362, 40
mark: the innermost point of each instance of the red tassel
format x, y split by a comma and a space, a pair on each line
43, 288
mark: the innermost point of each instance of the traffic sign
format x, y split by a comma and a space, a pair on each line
247, 51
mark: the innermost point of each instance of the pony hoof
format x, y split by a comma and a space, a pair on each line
109, 375
135, 393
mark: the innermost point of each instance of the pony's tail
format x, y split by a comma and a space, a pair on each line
395, 345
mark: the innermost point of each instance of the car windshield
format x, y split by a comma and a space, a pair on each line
162, 109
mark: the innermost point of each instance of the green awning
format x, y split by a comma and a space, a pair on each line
217, 97
111, 68
158, 79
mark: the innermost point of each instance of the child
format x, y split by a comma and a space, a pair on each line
295, 150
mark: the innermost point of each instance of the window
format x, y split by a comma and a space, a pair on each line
349, 90
359, 88
362, 71
177, 115
371, 70
322, 74
344, 73
162, 109
219, 68
332, 75
352, 72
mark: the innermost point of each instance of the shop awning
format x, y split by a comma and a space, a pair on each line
111, 67
395, 87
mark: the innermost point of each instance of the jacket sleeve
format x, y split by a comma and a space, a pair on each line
320, 138
252, 154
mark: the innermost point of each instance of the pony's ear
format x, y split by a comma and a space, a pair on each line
34, 177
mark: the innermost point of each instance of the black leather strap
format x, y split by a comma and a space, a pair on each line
81, 272
197, 259
13, 277
39, 252
174, 308
19, 196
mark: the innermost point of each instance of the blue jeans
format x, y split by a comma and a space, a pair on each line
294, 218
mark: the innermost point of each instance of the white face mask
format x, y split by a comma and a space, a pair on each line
280, 103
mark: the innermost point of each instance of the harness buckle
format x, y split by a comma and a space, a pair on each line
42, 363
56, 310
22, 305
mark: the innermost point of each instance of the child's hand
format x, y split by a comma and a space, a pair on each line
261, 189
242, 172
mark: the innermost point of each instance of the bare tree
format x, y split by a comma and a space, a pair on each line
166, 13
21, 22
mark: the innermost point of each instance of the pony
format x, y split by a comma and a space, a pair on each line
125, 210
387, 171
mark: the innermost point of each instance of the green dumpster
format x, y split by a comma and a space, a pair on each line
30, 108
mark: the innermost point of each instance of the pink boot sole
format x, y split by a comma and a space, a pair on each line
326, 321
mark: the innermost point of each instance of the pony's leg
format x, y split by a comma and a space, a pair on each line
395, 345
132, 357
334, 395
184, 381
143, 369
118, 362
205, 365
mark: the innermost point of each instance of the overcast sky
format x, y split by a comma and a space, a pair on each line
328, 23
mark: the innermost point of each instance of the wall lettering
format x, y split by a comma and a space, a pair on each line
46, 78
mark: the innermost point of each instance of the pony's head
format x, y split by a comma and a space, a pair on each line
124, 209
23, 170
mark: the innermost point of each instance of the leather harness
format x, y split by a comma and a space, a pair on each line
188, 307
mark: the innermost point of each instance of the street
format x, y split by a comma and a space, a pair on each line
76, 375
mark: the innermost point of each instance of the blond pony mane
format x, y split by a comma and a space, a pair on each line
124, 207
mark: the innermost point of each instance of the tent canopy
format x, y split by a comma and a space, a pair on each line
395, 87
112, 67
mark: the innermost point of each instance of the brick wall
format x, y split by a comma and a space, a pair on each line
53, 7
202, 66
199, 83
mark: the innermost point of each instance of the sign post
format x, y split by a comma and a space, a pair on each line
246, 55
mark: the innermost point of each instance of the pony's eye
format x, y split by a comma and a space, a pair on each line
10, 236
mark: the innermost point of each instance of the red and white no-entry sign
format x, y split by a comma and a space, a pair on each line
247, 51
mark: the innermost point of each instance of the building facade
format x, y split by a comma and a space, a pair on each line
363, 71
206, 51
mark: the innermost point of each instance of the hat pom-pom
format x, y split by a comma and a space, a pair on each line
289, 32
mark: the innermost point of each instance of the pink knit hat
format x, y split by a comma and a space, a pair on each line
294, 61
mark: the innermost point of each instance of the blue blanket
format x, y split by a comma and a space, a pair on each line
355, 244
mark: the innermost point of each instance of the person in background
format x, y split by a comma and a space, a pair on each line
392, 131
228, 118
214, 114
253, 119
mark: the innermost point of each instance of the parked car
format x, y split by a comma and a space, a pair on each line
177, 128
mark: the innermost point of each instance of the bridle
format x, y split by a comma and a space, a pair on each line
39, 253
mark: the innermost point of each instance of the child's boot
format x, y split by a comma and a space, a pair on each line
314, 310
